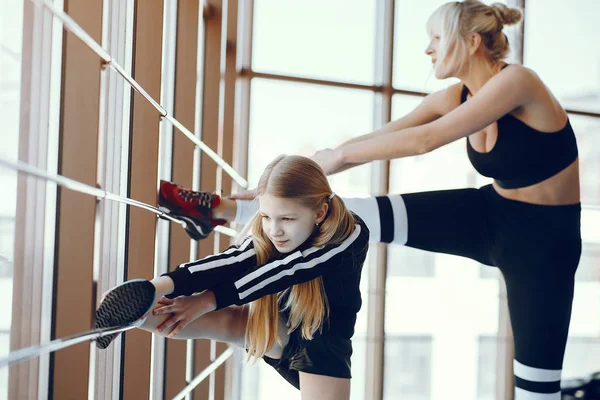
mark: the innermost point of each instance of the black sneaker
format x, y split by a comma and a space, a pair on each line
124, 305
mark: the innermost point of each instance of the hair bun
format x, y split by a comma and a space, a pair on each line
507, 15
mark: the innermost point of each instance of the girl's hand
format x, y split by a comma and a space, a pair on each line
184, 310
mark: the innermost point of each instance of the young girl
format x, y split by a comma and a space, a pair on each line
299, 272
527, 223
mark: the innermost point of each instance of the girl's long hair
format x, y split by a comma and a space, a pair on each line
301, 179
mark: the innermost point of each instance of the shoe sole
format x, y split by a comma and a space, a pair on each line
123, 306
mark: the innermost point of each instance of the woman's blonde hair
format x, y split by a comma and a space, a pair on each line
301, 179
455, 20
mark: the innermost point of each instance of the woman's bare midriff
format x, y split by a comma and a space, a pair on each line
560, 189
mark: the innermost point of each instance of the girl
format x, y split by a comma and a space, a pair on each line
289, 292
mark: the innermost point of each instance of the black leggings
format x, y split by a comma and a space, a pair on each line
537, 249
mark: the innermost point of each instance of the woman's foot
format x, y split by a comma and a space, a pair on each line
193, 208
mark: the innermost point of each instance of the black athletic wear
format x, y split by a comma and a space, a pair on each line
235, 278
523, 156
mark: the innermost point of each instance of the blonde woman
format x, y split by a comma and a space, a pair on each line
288, 293
526, 223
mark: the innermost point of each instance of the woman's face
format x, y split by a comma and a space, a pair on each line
440, 66
286, 222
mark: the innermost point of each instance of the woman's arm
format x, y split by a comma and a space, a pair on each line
511, 88
430, 109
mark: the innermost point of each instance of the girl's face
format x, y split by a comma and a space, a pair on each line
286, 222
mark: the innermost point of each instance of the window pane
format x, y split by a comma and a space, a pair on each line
412, 67
11, 27
589, 264
587, 131
332, 40
558, 30
408, 262
455, 308
293, 118
488, 349
408, 364
359, 361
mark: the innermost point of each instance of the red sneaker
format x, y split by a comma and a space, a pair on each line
194, 208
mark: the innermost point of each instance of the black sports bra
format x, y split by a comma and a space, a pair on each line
523, 156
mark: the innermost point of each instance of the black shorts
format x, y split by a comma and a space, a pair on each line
324, 355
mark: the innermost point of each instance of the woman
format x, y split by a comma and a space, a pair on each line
299, 271
526, 223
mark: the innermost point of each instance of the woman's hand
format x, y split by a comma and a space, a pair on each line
329, 160
184, 310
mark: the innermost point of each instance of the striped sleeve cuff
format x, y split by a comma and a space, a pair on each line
182, 279
226, 294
